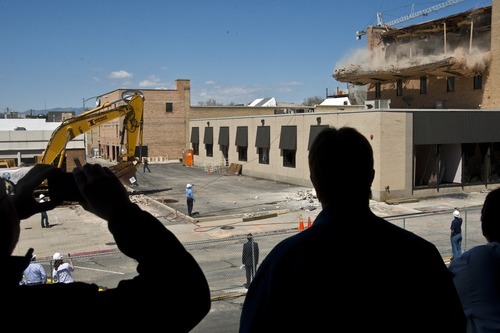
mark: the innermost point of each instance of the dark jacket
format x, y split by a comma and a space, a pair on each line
250, 255
456, 226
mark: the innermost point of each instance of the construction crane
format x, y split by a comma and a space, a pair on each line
410, 16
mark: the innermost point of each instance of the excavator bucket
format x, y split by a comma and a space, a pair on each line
126, 172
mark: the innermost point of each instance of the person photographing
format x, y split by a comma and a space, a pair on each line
177, 304
62, 271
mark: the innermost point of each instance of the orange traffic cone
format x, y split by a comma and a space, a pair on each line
301, 223
309, 223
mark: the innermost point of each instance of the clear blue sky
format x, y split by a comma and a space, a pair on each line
55, 53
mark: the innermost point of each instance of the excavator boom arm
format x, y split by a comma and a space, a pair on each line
73, 127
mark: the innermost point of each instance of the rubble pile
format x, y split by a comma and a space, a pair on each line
309, 195
306, 200
140, 199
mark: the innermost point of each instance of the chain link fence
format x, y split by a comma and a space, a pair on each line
221, 259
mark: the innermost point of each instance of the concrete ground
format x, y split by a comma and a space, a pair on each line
226, 205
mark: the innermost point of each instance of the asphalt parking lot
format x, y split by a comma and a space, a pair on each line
217, 194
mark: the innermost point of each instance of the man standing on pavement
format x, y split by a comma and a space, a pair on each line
189, 199
250, 258
146, 165
45, 216
456, 234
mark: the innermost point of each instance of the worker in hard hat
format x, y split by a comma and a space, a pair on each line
456, 234
45, 216
62, 271
190, 199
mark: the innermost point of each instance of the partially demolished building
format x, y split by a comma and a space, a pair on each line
446, 72
440, 64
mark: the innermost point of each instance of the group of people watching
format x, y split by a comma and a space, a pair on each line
357, 270
61, 271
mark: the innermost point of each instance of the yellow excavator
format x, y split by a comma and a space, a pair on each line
130, 107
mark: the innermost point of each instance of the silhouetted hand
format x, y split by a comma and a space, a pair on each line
24, 198
102, 190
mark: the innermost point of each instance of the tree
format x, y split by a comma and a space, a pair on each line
209, 102
311, 101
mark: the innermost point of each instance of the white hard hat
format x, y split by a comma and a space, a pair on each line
456, 213
189, 185
57, 256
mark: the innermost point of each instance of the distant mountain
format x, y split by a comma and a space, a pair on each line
44, 112
38, 113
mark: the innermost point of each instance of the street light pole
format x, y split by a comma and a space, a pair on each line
87, 99
85, 134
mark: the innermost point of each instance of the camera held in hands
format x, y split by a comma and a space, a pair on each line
62, 186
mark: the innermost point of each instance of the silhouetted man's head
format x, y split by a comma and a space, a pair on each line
490, 216
341, 166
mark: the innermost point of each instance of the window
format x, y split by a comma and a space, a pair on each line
478, 82
195, 140
288, 145
242, 153
209, 149
450, 84
196, 149
242, 142
263, 155
289, 158
423, 85
169, 107
378, 90
224, 143
399, 88
208, 140
263, 143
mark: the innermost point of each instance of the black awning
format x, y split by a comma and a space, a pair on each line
313, 132
224, 136
208, 138
439, 127
263, 139
241, 136
195, 135
288, 139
